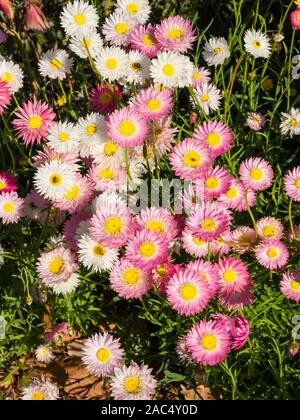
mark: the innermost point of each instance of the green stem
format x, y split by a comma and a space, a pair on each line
291, 219
250, 212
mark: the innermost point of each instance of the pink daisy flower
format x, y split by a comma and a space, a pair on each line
295, 19
233, 276
108, 178
5, 96
238, 327
289, 233
193, 244
256, 121
159, 220
235, 196
127, 128
57, 332
292, 184
187, 293
208, 222
7, 182
103, 99
290, 285
175, 34
33, 122
189, 159
244, 239
102, 353
163, 273
130, 281
56, 266
269, 228
113, 225
209, 342
222, 245
201, 76
216, 182
11, 207
163, 135
70, 229
147, 250
237, 300
256, 174
272, 254
152, 104
142, 38
77, 196
48, 154
182, 350
216, 136
207, 272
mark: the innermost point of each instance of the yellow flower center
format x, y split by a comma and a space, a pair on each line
91, 129
197, 75
205, 97
175, 33
149, 40
35, 122
156, 225
111, 63
256, 174
188, 292
295, 285
132, 8
98, 250
63, 136
61, 101
45, 352
217, 50
136, 66
132, 384
153, 104
105, 98
80, 19
7, 77
110, 149
298, 17
211, 183
113, 225
293, 122
209, 342
2, 185
213, 139
269, 231
168, 70
86, 43
55, 180
127, 128
161, 271
107, 174
229, 276
198, 241
8, 207
55, 64
192, 159
121, 28
72, 193
131, 276
232, 192
56, 265
297, 183
209, 225
103, 355
38, 396
256, 44
272, 253
147, 249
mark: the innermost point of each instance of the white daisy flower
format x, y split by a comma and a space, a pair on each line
92, 131
95, 256
139, 10
107, 198
216, 51
1, 256
44, 353
65, 287
108, 152
81, 45
12, 74
171, 69
257, 43
78, 18
64, 138
111, 63
117, 28
40, 389
53, 178
290, 122
208, 97
55, 64
138, 69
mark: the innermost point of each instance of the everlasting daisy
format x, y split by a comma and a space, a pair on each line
189, 159
292, 184
290, 122
113, 225
94, 255
295, 19
162, 275
110, 153
142, 38
12, 74
133, 382
153, 105
129, 281
5, 96
90, 43
216, 50
102, 353
7, 182
233, 275
290, 285
79, 18
66, 286
188, 293
147, 250
201, 76
111, 177
207, 272
11, 207
103, 99
208, 97
272, 254
44, 354
34, 121
136, 10
117, 27
209, 342
77, 196
172, 70
256, 121
256, 174
127, 128
53, 179
237, 300
92, 131
215, 182
193, 244
175, 34
238, 327
111, 62
244, 239
163, 135
64, 138
57, 332
269, 228
137, 68
257, 44
56, 266
40, 389
235, 196
55, 64
216, 136
48, 154
158, 220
